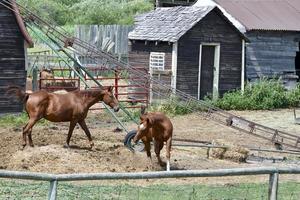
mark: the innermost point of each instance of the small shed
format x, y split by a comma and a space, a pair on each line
172, 3
197, 49
14, 40
273, 28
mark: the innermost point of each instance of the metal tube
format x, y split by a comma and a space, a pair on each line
273, 186
53, 190
150, 175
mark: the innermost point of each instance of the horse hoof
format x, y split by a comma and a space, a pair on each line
91, 145
66, 146
162, 164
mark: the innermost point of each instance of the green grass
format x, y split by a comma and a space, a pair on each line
39, 190
16, 120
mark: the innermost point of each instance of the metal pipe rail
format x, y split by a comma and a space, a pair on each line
210, 112
273, 172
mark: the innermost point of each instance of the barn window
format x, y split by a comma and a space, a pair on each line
157, 60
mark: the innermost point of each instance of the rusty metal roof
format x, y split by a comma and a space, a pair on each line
265, 14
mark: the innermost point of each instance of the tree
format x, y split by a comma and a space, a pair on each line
70, 12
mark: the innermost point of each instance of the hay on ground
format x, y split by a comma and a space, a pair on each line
233, 152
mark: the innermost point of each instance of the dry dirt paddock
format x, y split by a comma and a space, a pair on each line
110, 155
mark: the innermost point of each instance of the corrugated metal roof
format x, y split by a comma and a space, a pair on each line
265, 14
167, 24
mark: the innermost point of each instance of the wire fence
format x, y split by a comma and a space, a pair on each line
176, 187
172, 191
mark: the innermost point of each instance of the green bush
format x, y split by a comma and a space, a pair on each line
262, 95
71, 12
109, 12
174, 106
17, 120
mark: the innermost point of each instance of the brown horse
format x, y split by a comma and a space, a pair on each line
158, 127
69, 107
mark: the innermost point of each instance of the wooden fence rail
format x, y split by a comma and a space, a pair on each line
273, 173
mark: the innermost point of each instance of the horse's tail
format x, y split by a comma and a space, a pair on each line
17, 92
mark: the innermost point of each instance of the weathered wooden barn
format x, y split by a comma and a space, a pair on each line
14, 40
273, 28
171, 3
197, 48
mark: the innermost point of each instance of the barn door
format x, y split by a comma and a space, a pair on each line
208, 70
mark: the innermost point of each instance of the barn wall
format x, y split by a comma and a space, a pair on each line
139, 55
211, 29
12, 59
271, 52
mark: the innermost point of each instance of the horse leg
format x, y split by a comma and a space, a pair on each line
24, 136
87, 132
71, 128
27, 129
148, 148
158, 145
30, 138
168, 152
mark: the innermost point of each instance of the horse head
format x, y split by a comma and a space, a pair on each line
110, 99
146, 122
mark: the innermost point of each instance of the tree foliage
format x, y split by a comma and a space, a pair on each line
70, 12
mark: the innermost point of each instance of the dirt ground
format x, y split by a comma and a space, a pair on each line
110, 155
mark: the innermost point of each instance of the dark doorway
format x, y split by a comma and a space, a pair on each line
297, 62
207, 71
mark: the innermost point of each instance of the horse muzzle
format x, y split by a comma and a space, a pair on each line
116, 108
135, 140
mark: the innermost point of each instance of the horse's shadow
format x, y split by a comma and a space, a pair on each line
76, 147
177, 168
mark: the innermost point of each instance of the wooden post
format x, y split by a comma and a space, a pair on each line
40, 81
53, 190
156, 3
273, 186
34, 79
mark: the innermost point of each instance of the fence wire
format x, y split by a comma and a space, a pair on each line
11, 190
164, 192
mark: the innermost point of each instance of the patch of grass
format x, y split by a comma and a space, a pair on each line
17, 120
262, 95
174, 106
35, 190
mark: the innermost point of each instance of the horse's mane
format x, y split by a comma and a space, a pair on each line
91, 92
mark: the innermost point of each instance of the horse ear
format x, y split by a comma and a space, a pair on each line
110, 88
143, 109
149, 120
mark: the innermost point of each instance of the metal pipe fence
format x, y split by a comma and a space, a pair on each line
273, 173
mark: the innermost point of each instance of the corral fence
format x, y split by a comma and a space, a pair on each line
273, 173
128, 89
125, 88
64, 81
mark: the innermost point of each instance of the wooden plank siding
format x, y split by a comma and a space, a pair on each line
211, 29
271, 53
139, 56
12, 60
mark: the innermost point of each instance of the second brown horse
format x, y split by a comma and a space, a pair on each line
69, 107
